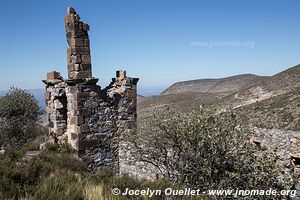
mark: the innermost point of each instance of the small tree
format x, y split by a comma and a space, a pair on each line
204, 150
18, 117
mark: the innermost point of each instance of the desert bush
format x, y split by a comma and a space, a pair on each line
18, 118
204, 150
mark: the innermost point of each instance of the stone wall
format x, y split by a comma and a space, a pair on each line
92, 120
285, 145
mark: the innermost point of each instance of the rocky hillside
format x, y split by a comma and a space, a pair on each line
281, 111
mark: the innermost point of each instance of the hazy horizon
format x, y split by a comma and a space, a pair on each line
149, 90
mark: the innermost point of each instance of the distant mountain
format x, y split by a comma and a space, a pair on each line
150, 91
222, 85
188, 95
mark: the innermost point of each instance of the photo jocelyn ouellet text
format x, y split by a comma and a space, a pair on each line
198, 192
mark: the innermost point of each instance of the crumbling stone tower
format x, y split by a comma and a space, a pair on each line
82, 114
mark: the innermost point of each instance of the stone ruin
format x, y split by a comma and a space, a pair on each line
80, 113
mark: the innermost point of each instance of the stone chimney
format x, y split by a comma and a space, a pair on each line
78, 53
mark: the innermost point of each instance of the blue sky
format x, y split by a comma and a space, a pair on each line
159, 41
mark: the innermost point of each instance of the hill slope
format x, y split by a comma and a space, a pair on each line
281, 111
278, 84
184, 101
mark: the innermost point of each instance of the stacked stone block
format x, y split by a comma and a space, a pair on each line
78, 53
56, 104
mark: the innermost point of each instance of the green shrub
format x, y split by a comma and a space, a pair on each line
204, 150
18, 118
19, 103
